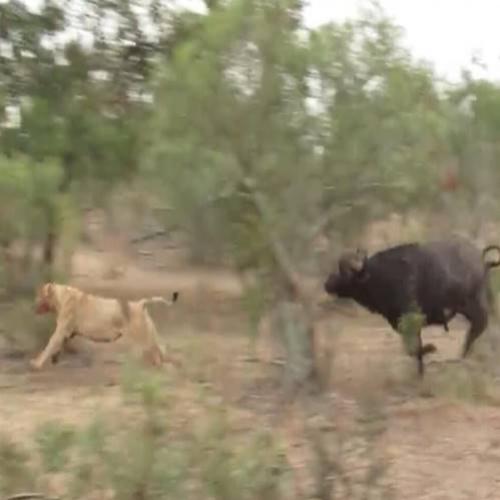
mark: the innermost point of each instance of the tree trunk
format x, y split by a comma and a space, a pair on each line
9, 274
296, 331
48, 254
293, 314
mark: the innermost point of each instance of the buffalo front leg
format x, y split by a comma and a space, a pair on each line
414, 348
412, 342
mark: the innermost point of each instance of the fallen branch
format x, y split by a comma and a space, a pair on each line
31, 496
10, 386
253, 359
149, 236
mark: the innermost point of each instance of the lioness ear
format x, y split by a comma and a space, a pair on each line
48, 289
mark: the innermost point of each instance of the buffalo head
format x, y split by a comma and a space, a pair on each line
351, 272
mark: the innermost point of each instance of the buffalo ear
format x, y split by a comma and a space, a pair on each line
344, 267
361, 253
352, 263
360, 265
359, 260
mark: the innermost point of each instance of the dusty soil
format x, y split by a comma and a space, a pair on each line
439, 447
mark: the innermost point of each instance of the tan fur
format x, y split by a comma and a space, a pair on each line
99, 319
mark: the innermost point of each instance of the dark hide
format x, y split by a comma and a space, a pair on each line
440, 279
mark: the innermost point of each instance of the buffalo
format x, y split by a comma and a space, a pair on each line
438, 279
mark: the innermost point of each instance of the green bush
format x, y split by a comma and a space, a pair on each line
54, 441
15, 472
409, 328
21, 329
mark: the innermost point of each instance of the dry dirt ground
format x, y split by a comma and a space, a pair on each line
438, 443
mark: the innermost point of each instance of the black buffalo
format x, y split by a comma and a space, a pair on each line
439, 279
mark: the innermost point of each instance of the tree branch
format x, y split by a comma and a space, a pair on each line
280, 254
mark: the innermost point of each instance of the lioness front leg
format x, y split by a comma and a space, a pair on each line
52, 348
66, 346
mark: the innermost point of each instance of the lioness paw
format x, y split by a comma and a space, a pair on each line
34, 365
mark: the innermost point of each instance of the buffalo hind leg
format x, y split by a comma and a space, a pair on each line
423, 350
476, 312
478, 319
420, 355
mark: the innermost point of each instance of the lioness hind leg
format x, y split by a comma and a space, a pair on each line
153, 356
156, 357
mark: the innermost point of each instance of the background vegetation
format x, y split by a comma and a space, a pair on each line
266, 146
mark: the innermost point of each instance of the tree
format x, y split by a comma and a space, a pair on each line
27, 192
474, 117
79, 103
382, 127
229, 144
266, 135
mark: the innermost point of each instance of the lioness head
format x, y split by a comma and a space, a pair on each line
45, 299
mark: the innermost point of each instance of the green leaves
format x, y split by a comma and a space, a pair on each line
228, 107
79, 105
27, 191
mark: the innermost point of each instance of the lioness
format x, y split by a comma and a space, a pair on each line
99, 319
